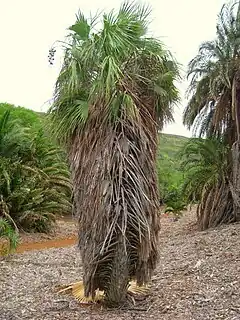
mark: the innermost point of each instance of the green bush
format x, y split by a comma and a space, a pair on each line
7, 233
34, 176
175, 200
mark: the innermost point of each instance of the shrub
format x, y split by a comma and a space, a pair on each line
8, 234
175, 200
34, 176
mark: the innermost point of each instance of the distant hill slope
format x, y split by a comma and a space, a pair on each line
170, 175
26, 117
171, 144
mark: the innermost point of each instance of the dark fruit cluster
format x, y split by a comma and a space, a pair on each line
51, 54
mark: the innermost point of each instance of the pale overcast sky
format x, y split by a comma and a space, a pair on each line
28, 28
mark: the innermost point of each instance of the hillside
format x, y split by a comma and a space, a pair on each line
170, 144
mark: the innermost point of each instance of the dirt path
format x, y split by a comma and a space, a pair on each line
63, 235
198, 277
48, 244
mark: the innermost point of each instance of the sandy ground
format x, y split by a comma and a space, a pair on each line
198, 277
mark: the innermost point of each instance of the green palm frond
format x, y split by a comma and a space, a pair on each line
100, 66
3, 123
204, 163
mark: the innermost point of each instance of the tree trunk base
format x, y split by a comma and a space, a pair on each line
235, 186
216, 207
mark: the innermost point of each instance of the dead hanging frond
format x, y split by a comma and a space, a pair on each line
76, 289
216, 206
119, 233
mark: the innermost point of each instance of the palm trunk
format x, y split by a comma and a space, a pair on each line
118, 276
235, 188
116, 199
216, 206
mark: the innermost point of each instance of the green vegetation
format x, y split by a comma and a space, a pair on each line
170, 173
206, 166
204, 163
8, 234
34, 177
24, 117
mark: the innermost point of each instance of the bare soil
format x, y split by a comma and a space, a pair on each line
198, 277
65, 227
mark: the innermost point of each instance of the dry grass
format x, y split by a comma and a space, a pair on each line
198, 277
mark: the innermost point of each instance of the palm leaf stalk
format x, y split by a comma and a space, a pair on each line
214, 107
114, 92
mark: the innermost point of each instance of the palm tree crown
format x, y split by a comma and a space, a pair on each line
214, 76
118, 65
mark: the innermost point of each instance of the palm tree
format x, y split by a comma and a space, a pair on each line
204, 163
114, 92
214, 110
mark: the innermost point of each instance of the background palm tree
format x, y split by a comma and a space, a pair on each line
204, 163
114, 92
214, 105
